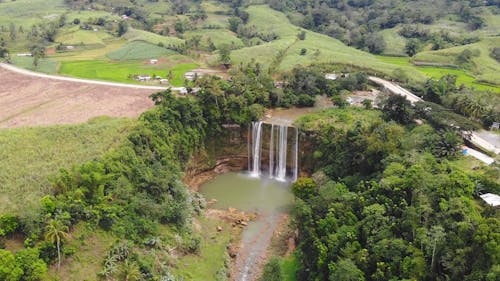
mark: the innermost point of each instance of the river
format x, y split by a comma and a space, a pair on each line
267, 197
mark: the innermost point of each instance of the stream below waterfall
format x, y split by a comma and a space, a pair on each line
267, 197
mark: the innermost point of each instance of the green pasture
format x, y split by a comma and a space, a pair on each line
29, 12
437, 72
139, 50
212, 256
30, 155
153, 38
320, 48
45, 65
76, 36
121, 72
219, 37
394, 43
484, 67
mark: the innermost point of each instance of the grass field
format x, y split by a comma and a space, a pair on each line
45, 65
219, 37
120, 72
92, 247
437, 72
29, 12
289, 267
76, 36
320, 48
212, 256
153, 38
139, 50
486, 68
30, 155
394, 43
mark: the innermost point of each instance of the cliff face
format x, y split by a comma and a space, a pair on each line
229, 150
225, 152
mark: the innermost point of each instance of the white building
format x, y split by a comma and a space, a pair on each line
491, 199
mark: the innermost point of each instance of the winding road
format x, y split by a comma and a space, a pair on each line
79, 80
474, 138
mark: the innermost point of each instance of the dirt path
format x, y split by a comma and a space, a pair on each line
32, 99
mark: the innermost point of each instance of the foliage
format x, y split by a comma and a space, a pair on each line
413, 217
397, 108
272, 270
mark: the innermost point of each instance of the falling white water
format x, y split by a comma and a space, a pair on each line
282, 150
278, 149
256, 147
296, 155
271, 153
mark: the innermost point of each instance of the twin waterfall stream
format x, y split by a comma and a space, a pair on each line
278, 150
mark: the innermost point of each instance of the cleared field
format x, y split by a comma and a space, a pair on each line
219, 37
153, 38
28, 101
139, 50
29, 12
485, 67
121, 72
30, 155
75, 36
437, 72
45, 65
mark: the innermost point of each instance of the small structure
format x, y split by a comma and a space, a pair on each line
495, 126
143, 78
153, 61
183, 91
191, 75
331, 76
491, 199
70, 47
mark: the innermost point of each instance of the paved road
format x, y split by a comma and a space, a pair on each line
480, 156
474, 139
87, 81
395, 89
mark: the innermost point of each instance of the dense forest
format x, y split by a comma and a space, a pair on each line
385, 203
356, 23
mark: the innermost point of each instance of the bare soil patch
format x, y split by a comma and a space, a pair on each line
33, 101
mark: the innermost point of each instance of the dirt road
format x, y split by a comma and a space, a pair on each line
78, 80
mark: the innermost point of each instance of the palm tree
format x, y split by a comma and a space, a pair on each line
130, 271
56, 232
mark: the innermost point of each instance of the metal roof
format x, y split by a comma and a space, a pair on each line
491, 199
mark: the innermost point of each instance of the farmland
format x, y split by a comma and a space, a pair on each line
100, 54
30, 155
46, 102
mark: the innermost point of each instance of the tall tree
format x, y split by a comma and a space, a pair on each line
57, 232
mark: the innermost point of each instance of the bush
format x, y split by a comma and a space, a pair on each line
272, 270
8, 224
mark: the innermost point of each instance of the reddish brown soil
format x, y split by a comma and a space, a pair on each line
32, 101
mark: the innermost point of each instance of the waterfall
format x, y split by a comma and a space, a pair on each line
282, 150
278, 150
256, 148
296, 155
271, 153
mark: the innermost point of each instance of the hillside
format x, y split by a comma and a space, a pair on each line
30, 156
192, 35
